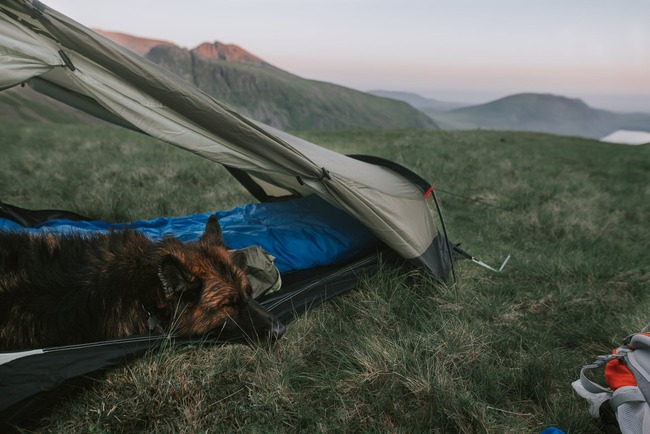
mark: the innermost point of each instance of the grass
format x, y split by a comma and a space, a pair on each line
489, 353
107, 173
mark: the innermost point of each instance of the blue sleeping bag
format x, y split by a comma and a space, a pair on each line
301, 233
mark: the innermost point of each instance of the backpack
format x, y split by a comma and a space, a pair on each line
623, 406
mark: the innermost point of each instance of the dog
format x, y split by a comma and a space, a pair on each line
71, 289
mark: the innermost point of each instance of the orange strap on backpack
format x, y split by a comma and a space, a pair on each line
617, 375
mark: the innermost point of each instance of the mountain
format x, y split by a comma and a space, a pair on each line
254, 88
227, 52
215, 51
542, 113
418, 101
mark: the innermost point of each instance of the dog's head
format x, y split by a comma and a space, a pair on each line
208, 295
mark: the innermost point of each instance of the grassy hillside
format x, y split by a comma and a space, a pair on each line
284, 100
490, 353
541, 113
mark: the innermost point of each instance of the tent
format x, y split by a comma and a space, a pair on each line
61, 58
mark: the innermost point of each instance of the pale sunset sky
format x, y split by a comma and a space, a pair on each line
451, 50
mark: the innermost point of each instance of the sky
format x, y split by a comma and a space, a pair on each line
470, 51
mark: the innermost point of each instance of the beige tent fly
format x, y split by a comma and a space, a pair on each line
69, 62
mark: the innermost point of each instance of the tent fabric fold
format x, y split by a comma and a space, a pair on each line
162, 105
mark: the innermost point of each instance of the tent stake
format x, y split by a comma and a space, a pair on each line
484, 265
479, 262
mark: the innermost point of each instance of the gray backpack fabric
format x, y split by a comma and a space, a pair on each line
629, 404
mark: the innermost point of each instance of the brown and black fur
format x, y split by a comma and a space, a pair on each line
62, 290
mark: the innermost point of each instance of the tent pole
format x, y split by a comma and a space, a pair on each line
444, 230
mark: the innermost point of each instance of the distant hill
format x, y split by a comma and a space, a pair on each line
250, 86
542, 113
418, 101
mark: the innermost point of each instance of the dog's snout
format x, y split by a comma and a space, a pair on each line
265, 325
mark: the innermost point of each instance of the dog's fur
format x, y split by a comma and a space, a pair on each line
61, 290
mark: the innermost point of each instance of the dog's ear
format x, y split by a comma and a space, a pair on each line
177, 281
212, 234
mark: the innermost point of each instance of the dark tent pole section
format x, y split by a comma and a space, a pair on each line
306, 289
30, 218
